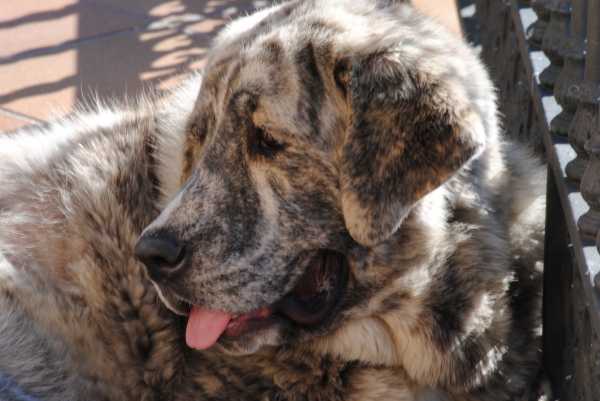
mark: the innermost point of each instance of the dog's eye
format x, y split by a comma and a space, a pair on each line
261, 143
267, 141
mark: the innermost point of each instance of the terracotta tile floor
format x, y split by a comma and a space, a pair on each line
56, 53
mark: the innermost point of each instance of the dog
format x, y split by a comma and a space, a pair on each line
328, 212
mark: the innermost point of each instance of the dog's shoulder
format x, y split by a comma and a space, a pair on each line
74, 195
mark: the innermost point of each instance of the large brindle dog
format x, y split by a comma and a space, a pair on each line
329, 213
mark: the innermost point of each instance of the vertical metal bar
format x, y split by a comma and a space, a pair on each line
536, 31
584, 121
597, 278
593, 39
589, 223
555, 250
571, 74
555, 38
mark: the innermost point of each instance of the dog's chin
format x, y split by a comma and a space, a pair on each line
304, 307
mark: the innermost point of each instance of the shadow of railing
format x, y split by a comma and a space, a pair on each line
105, 48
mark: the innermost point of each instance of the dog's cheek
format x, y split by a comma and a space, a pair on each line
199, 126
311, 200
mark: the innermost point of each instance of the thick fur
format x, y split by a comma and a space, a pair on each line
387, 151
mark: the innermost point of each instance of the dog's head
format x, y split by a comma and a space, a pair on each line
318, 128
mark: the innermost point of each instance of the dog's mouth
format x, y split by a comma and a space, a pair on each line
308, 303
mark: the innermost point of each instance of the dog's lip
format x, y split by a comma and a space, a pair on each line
318, 291
249, 322
309, 302
180, 306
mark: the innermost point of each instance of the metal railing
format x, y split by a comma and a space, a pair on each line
545, 58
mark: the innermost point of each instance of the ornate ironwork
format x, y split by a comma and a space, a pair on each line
589, 223
587, 125
571, 74
571, 316
587, 95
554, 39
500, 50
536, 31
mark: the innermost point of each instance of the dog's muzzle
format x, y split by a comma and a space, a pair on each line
310, 301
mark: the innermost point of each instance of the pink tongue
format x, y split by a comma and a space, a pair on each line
204, 327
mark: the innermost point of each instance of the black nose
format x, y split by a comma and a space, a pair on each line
162, 254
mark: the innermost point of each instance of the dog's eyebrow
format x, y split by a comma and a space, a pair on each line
242, 104
314, 88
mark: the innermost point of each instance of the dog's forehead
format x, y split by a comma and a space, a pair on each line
272, 39
257, 64
273, 76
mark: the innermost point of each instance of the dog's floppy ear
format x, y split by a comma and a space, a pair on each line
408, 133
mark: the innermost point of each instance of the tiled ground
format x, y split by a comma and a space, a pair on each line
55, 53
